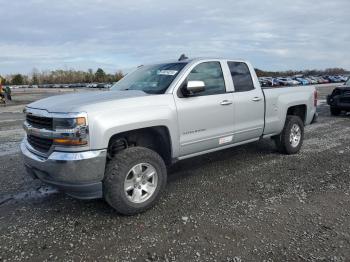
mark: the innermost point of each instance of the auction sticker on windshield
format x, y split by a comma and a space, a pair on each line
167, 72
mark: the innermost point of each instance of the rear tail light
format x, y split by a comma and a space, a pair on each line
315, 98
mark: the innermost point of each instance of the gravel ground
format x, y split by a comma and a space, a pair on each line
242, 204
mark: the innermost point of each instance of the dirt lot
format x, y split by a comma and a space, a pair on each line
241, 204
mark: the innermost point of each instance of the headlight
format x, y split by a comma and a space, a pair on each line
68, 123
71, 131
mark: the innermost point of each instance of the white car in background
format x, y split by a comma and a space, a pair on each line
287, 81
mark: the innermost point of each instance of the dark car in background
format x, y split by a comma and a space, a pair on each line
268, 82
339, 100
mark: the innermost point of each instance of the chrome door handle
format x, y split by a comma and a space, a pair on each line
256, 99
226, 102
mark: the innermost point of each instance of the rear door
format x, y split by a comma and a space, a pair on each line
205, 119
248, 103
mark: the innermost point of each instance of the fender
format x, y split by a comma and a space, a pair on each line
132, 114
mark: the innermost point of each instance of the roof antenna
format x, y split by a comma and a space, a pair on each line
183, 57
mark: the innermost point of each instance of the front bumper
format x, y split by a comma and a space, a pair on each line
78, 174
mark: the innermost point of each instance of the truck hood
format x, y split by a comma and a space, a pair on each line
72, 102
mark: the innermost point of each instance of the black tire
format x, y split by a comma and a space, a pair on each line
283, 140
335, 111
116, 172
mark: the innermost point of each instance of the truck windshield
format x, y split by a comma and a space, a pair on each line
152, 79
348, 82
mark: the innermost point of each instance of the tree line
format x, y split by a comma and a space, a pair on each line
314, 72
60, 76
100, 76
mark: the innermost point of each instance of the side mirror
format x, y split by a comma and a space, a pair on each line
193, 87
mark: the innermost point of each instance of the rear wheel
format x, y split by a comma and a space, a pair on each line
292, 136
335, 111
134, 180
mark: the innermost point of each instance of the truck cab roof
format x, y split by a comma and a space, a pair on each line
199, 59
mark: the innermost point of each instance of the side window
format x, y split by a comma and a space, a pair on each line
211, 74
241, 77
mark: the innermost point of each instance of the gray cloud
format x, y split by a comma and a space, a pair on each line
273, 34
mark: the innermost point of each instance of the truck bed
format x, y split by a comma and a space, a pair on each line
277, 100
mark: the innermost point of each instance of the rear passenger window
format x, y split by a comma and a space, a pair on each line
241, 77
211, 74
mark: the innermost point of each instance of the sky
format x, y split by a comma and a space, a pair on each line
121, 34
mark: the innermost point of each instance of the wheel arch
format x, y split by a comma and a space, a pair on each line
156, 138
298, 110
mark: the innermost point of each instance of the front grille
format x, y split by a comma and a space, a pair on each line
39, 121
345, 99
38, 143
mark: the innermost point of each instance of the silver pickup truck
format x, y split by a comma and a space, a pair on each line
116, 144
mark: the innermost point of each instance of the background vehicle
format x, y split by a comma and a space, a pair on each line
100, 85
282, 81
333, 79
339, 100
268, 82
286, 81
302, 81
314, 79
341, 78
264, 82
116, 144
311, 80
320, 80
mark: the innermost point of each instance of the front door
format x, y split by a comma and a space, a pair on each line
206, 119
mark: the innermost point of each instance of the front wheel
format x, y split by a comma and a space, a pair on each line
134, 180
292, 136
